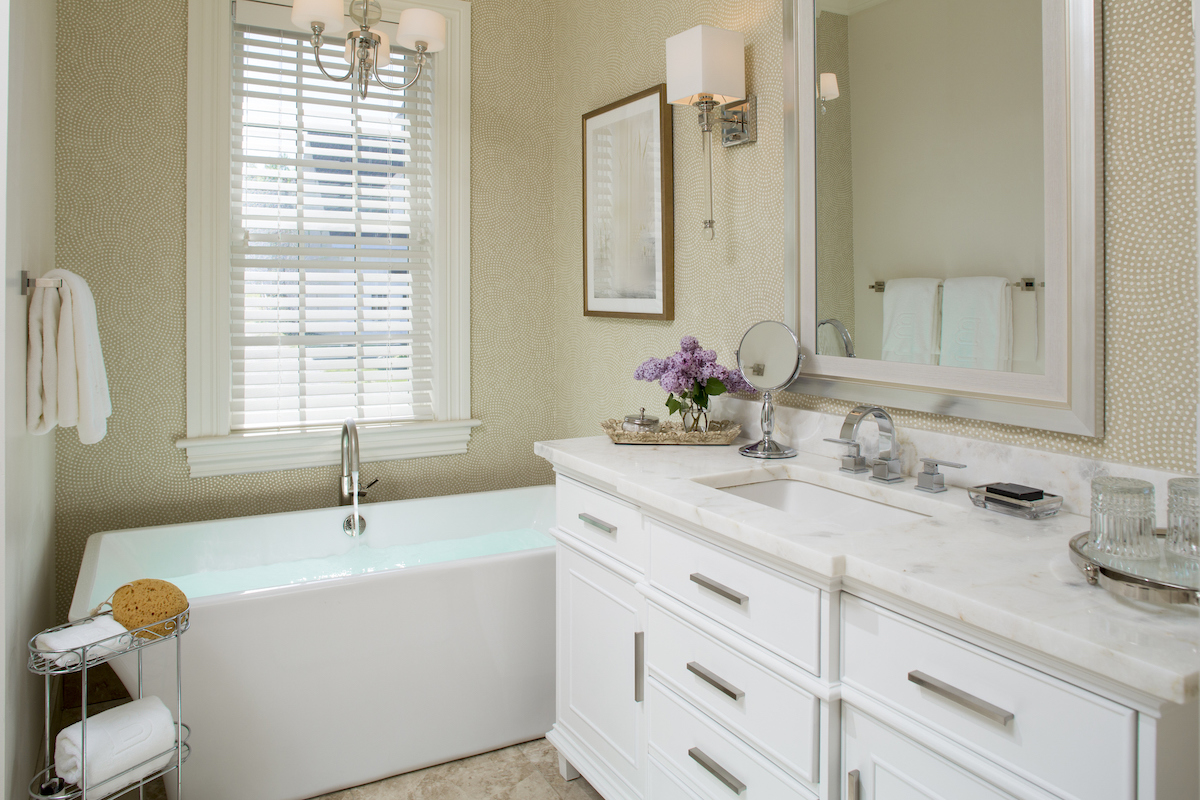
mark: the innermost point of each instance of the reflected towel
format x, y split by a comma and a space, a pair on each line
910, 320
66, 383
117, 740
77, 636
977, 323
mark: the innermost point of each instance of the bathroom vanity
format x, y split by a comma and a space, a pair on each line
731, 629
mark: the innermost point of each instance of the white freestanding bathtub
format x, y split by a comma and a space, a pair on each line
316, 661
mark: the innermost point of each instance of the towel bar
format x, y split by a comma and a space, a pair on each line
28, 283
1025, 285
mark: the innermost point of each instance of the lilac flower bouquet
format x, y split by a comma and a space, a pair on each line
690, 377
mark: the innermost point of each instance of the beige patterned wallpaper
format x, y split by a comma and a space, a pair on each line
539, 368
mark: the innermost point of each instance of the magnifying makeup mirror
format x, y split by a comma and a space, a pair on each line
769, 358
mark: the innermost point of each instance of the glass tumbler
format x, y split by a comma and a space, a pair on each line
1123, 518
1183, 517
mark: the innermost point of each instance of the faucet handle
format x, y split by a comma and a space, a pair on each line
932, 481
853, 461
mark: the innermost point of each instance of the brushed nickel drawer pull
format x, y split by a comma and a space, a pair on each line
852, 785
719, 588
598, 523
716, 770
968, 701
727, 689
639, 659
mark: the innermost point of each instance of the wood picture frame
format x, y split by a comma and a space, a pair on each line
629, 209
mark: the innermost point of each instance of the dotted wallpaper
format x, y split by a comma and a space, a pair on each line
540, 369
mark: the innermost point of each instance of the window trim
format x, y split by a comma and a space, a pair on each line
212, 449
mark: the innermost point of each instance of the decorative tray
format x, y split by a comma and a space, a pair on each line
1168, 579
721, 431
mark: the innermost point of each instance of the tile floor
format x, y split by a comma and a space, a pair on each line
523, 772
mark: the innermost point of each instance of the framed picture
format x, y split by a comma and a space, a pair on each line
628, 209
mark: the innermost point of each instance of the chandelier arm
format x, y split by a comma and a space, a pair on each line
384, 84
316, 43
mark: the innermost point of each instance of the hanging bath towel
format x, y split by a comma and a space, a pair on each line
66, 383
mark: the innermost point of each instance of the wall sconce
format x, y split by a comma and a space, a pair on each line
367, 50
828, 89
706, 68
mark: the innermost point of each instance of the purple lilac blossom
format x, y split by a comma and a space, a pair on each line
651, 370
682, 372
688, 343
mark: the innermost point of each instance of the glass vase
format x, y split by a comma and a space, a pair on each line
693, 418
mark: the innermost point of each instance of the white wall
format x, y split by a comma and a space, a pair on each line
28, 466
946, 124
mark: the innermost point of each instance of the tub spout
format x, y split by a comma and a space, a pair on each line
348, 487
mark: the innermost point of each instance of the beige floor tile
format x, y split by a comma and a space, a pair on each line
526, 771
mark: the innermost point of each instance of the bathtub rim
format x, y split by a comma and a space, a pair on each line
80, 600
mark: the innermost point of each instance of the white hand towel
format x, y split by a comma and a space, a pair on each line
117, 740
77, 636
910, 320
67, 384
977, 323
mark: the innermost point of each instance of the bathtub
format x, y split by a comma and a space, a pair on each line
316, 661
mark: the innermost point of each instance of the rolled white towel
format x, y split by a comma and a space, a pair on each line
117, 740
77, 636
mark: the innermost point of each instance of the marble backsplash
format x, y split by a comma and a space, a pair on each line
1058, 473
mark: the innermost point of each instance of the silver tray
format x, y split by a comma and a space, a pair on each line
1167, 580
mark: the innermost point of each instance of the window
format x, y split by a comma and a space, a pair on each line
338, 287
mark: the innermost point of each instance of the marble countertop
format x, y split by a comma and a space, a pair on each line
1005, 576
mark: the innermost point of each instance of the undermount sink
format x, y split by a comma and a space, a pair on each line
838, 510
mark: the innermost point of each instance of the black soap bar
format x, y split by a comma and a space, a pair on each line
1016, 491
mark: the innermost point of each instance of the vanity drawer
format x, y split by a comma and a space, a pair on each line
767, 607
713, 761
1074, 742
777, 717
604, 521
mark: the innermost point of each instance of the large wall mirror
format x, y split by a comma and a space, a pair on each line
946, 206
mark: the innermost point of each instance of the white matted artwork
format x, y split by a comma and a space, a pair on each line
628, 209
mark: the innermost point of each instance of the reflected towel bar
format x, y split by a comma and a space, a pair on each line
1025, 285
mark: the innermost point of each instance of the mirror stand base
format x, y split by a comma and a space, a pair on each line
767, 449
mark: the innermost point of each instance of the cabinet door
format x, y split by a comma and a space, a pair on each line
888, 766
600, 665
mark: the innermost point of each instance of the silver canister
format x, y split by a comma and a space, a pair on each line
640, 423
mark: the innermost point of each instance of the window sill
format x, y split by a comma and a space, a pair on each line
242, 453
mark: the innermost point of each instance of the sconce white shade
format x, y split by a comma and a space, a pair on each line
327, 12
383, 52
421, 25
829, 86
706, 61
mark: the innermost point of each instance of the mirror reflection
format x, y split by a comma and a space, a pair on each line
930, 189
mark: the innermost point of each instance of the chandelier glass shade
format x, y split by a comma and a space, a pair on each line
369, 48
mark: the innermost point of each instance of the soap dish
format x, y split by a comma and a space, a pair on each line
1048, 506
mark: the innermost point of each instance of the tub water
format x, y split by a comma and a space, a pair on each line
316, 661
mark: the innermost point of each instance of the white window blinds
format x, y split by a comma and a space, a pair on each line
330, 261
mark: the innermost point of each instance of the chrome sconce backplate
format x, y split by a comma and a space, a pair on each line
739, 122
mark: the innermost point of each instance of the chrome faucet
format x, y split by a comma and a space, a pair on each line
885, 468
349, 463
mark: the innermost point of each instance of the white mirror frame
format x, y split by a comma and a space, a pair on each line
1069, 397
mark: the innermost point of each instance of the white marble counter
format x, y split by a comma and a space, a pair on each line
1006, 577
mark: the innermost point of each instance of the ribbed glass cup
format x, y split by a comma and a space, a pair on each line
1123, 518
1183, 517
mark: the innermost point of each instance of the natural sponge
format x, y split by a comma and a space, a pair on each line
146, 601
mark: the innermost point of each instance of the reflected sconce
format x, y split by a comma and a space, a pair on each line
828, 89
706, 68
368, 48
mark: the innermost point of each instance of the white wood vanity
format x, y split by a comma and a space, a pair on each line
711, 648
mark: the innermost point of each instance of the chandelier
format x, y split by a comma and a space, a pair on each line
367, 50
